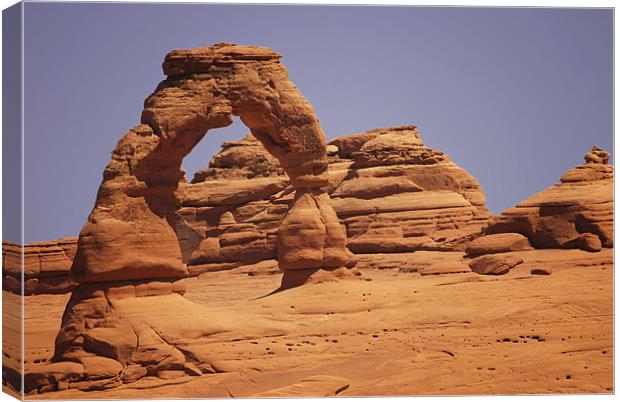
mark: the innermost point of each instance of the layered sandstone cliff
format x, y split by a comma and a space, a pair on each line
46, 266
575, 213
392, 193
230, 212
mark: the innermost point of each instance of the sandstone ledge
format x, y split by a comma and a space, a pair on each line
46, 266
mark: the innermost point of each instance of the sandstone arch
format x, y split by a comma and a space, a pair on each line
128, 249
129, 234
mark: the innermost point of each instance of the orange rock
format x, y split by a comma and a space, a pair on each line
130, 233
130, 250
46, 266
396, 205
306, 239
589, 242
498, 243
97, 367
556, 217
52, 374
245, 159
494, 264
374, 187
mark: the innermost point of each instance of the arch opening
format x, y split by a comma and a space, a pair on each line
200, 156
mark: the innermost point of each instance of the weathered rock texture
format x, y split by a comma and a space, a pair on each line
230, 213
571, 214
392, 193
494, 264
130, 233
46, 266
576, 213
498, 243
129, 248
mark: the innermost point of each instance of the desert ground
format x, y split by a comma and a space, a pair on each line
384, 333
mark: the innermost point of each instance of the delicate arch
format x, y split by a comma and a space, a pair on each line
130, 234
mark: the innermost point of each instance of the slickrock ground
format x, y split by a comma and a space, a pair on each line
396, 333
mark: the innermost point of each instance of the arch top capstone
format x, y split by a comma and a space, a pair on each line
201, 60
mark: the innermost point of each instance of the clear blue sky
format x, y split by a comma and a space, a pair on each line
515, 96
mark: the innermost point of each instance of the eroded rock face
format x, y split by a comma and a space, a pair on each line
589, 242
577, 213
112, 349
391, 192
129, 247
560, 216
231, 212
498, 243
46, 266
130, 233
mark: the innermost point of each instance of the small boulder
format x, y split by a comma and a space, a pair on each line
589, 242
494, 264
132, 373
597, 155
498, 243
332, 150
208, 250
541, 271
97, 367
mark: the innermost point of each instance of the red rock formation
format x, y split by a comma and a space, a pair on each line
130, 232
568, 214
129, 245
494, 264
231, 211
576, 213
392, 193
46, 266
407, 208
498, 243
397, 195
